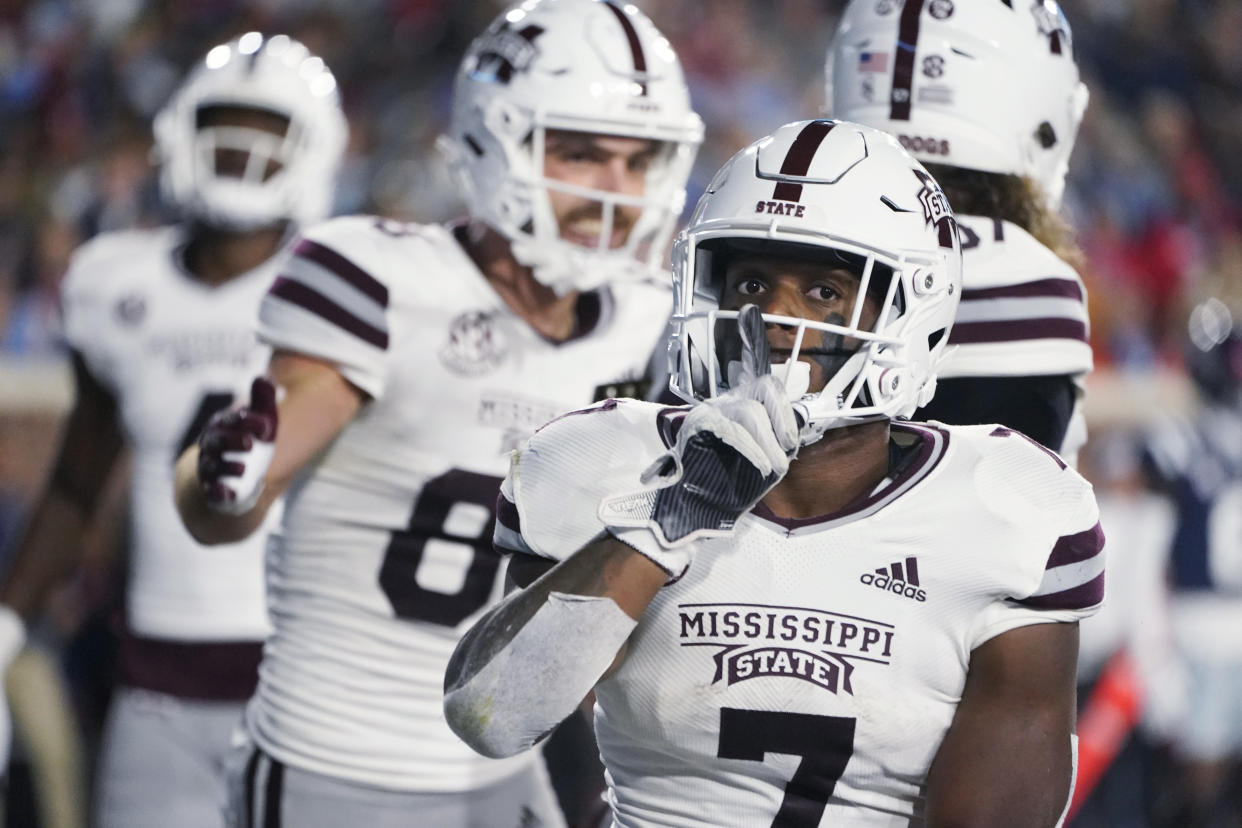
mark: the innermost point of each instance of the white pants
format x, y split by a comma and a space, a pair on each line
264, 793
163, 761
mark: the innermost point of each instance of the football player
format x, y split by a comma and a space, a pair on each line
411, 360
1197, 463
987, 96
161, 326
794, 607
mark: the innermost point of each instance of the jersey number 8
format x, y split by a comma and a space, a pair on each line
456, 512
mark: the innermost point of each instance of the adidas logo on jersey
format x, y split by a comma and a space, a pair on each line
899, 578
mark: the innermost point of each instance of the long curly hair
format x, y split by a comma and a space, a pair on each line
1013, 198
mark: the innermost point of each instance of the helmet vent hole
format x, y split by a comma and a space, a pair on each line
1046, 135
474, 145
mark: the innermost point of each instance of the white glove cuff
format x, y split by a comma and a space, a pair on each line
12, 636
649, 542
247, 486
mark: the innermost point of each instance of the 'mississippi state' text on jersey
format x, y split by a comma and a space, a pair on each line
173, 351
384, 557
830, 651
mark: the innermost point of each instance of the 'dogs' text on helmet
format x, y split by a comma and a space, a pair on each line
289, 177
844, 195
989, 86
595, 66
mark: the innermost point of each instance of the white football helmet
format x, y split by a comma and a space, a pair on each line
277, 75
989, 86
846, 195
593, 66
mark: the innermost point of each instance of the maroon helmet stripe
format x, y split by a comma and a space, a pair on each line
903, 66
636, 46
798, 159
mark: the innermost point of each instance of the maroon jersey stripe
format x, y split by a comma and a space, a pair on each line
966, 333
798, 159
1061, 288
320, 305
1074, 548
903, 66
1075, 598
636, 46
344, 268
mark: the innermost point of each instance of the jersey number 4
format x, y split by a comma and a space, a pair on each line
824, 743
450, 533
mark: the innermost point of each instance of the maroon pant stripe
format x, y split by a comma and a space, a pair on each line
252, 770
272, 793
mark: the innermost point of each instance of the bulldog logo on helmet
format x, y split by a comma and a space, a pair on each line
507, 51
936, 208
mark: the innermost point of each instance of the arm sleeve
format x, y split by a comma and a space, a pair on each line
324, 304
1039, 407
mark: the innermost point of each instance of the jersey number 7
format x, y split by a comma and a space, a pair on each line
824, 743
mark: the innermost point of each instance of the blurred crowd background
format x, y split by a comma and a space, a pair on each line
1154, 190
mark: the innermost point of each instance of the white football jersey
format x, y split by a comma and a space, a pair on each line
384, 558
1023, 313
173, 351
810, 668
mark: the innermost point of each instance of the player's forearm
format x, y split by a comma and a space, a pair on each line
206, 525
529, 662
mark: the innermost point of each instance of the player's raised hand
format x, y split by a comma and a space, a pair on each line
731, 450
755, 380
235, 450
